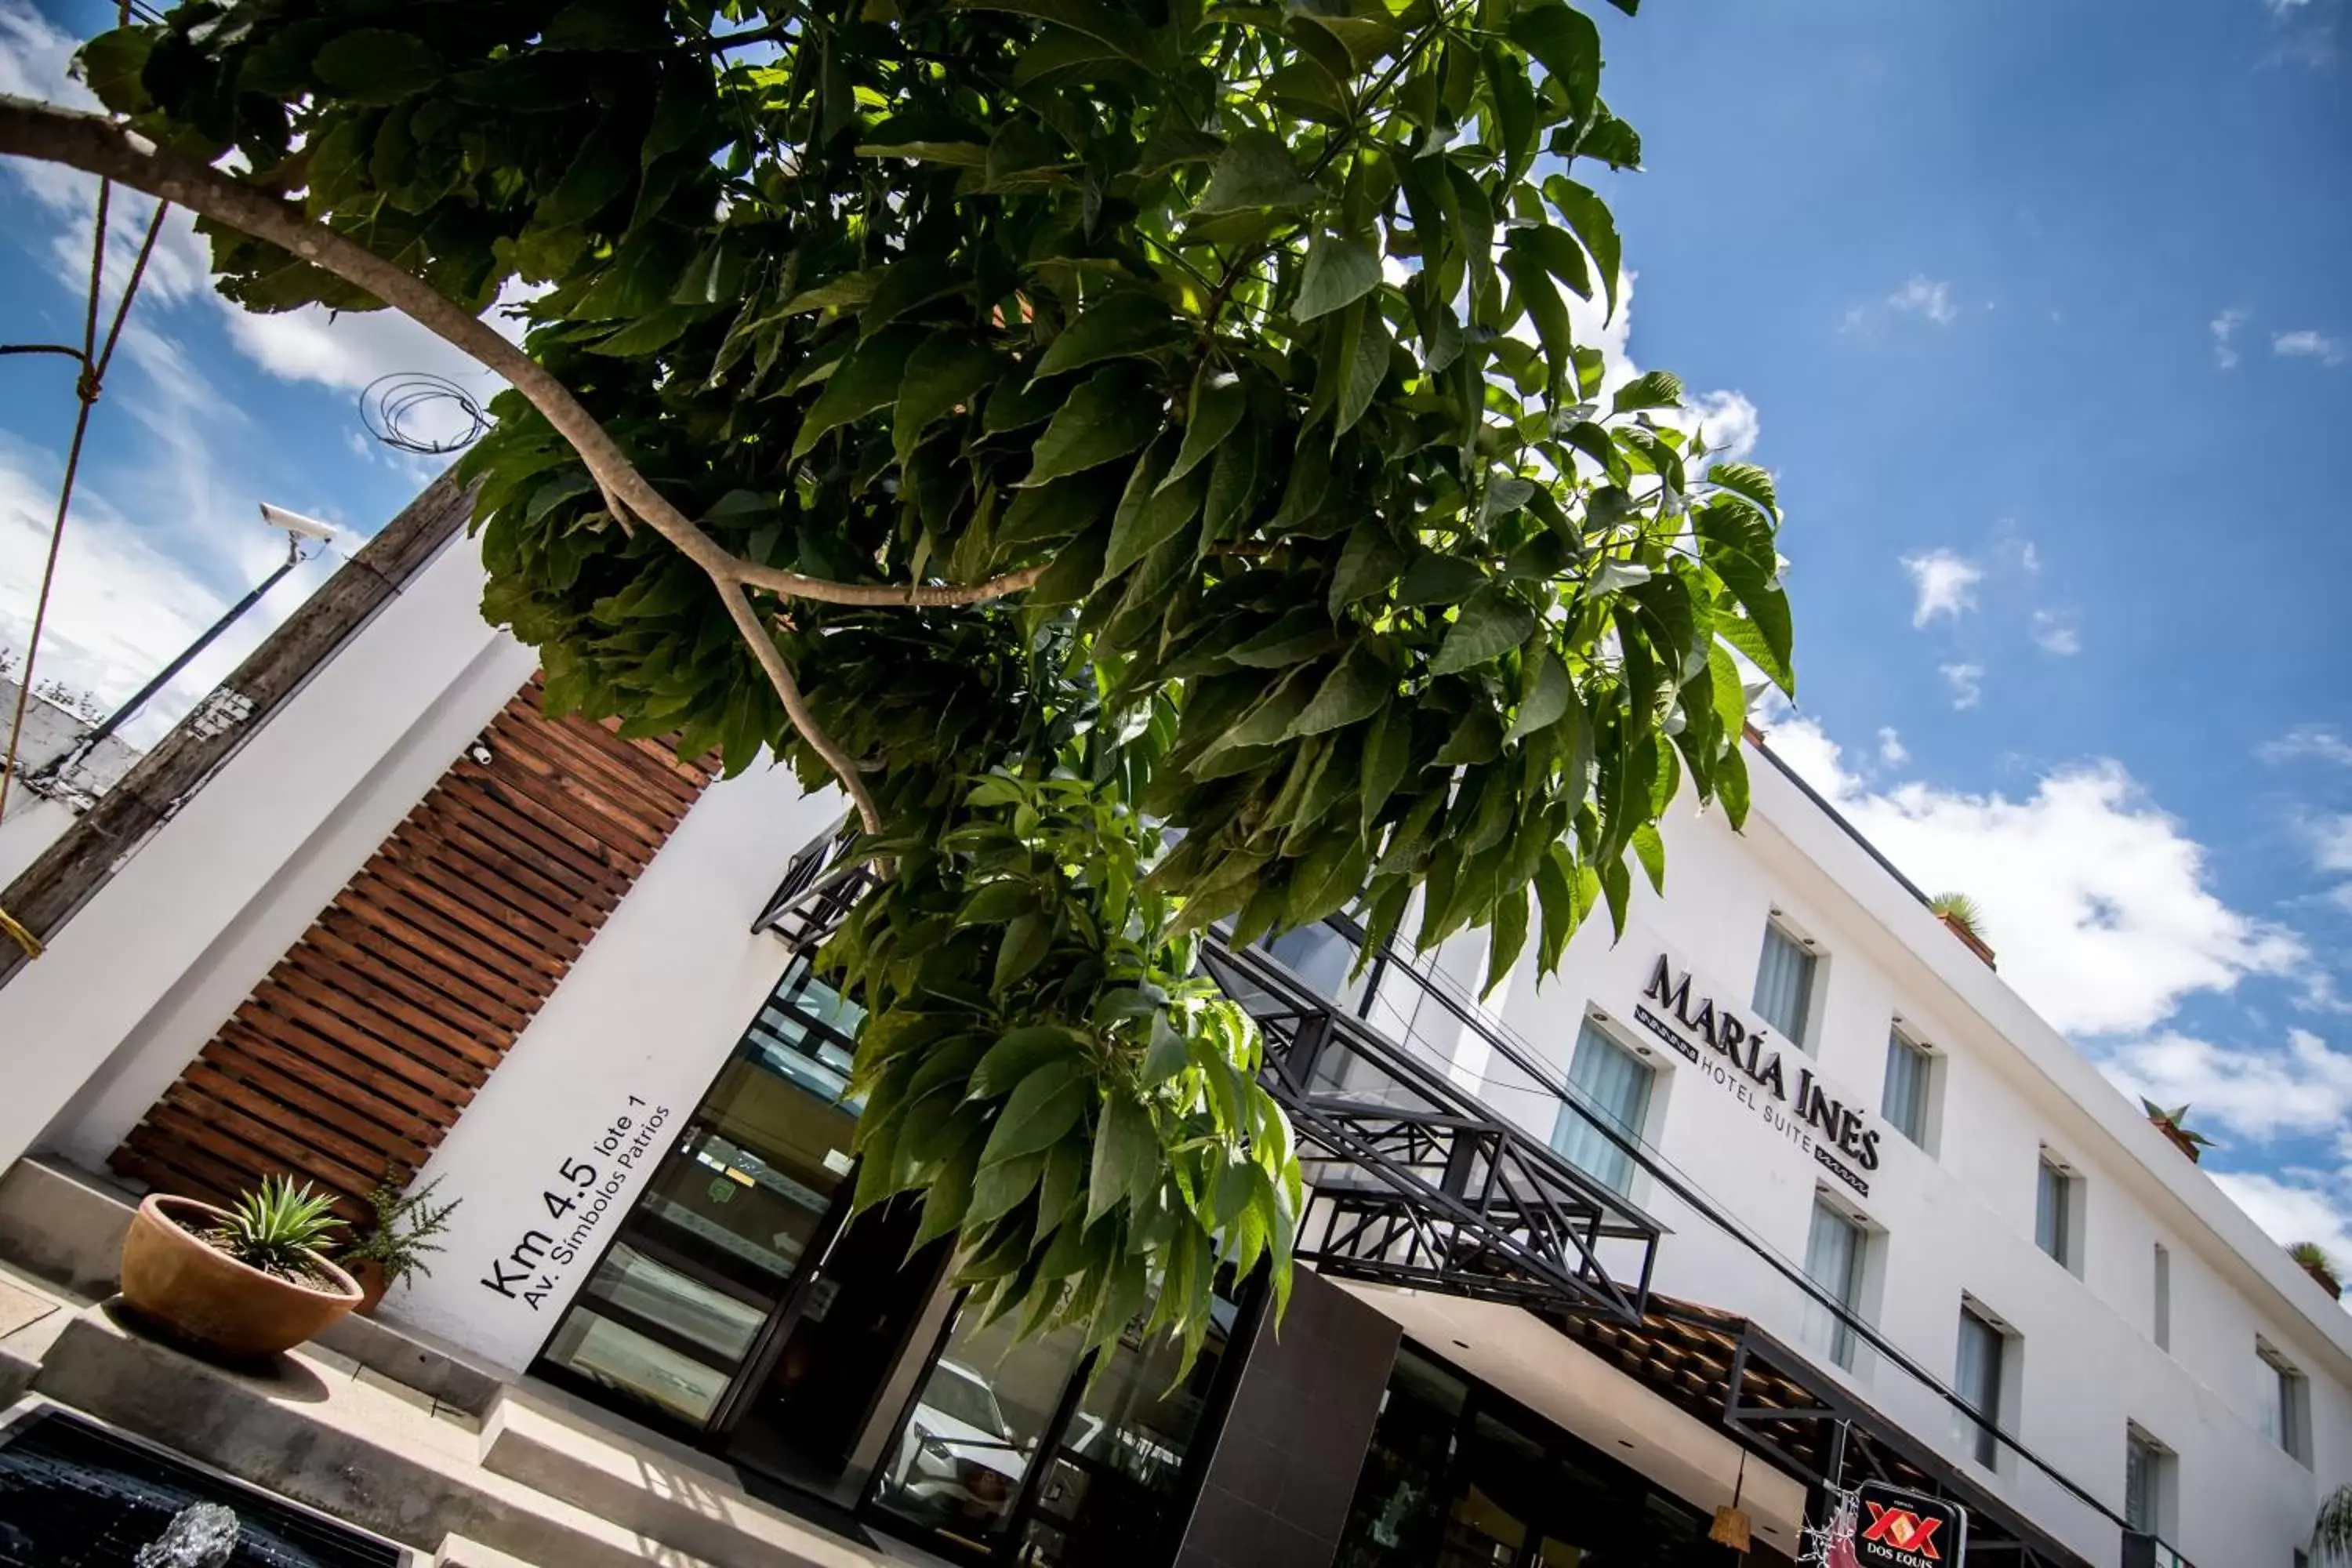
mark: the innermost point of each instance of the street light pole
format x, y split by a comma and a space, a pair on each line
297, 528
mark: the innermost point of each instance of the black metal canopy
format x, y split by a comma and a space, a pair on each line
1411, 1180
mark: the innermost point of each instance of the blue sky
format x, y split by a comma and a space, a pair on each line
2042, 314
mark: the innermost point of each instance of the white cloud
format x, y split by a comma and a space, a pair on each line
1966, 681
1725, 419
2309, 345
2280, 7
2323, 742
1922, 296
2224, 327
2096, 900
1946, 583
2331, 842
2302, 1086
2290, 1211
1891, 749
2057, 633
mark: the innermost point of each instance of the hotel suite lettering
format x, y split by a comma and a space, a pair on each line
584, 1191
1751, 1051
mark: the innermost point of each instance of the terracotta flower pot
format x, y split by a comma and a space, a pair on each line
202, 1294
367, 1273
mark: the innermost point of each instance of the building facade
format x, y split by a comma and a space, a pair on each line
1784, 1189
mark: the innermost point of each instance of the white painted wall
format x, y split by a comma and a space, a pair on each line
138, 981
1962, 1221
638, 1029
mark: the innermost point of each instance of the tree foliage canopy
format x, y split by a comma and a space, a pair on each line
1232, 340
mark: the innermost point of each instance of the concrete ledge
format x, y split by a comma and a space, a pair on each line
63, 1226
456, 1552
667, 1494
415, 1361
317, 1430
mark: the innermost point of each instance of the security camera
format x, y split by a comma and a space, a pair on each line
294, 523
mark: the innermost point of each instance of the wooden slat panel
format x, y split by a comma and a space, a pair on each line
362, 1047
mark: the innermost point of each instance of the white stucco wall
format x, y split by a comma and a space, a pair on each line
138, 981
1961, 1220
637, 1030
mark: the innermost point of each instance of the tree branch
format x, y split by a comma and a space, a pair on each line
98, 145
779, 675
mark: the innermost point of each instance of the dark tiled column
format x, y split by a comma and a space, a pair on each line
1285, 1470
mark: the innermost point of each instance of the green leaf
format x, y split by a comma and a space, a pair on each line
868, 381
1127, 1157
944, 374
1491, 623
111, 64
1106, 419
1219, 401
1026, 941
1434, 579
1366, 365
1749, 480
1588, 214
1546, 698
1650, 849
906, 285
1567, 45
1367, 563
1353, 691
1124, 324
1060, 1184
1305, 633
1018, 1054
377, 65
1558, 254
1508, 938
1166, 1055
1255, 172
1652, 389
1338, 273
999, 1188
1046, 1105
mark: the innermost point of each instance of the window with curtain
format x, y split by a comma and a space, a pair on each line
2054, 1196
1614, 1084
1834, 1250
2280, 1394
2143, 1482
1976, 1379
1904, 1103
1784, 983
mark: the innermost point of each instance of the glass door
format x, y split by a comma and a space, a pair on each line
746, 1198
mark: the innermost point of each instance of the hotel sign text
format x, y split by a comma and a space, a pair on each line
1743, 1057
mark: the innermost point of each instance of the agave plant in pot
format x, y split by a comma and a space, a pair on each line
247, 1280
398, 1234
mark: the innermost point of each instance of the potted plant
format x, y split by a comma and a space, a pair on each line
1961, 918
248, 1280
397, 1237
2313, 1259
2174, 1125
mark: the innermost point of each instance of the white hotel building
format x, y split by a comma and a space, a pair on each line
1795, 1183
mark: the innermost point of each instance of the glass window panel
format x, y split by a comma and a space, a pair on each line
2142, 1461
1784, 983
1977, 1380
2050, 1203
974, 1430
1614, 1084
2163, 1286
1904, 1103
1833, 1260
629, 1362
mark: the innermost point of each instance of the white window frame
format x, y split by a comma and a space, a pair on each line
1653, 1099
1824, 1330
2160, 1470
1809, 1019
2160, 1298
1981, 1439
2067, 1252
2285, 1414
1901, 1037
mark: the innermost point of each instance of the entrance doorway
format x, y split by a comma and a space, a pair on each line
1458, 1476
740, 1305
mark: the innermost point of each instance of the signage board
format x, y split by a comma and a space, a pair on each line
1896, 1529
